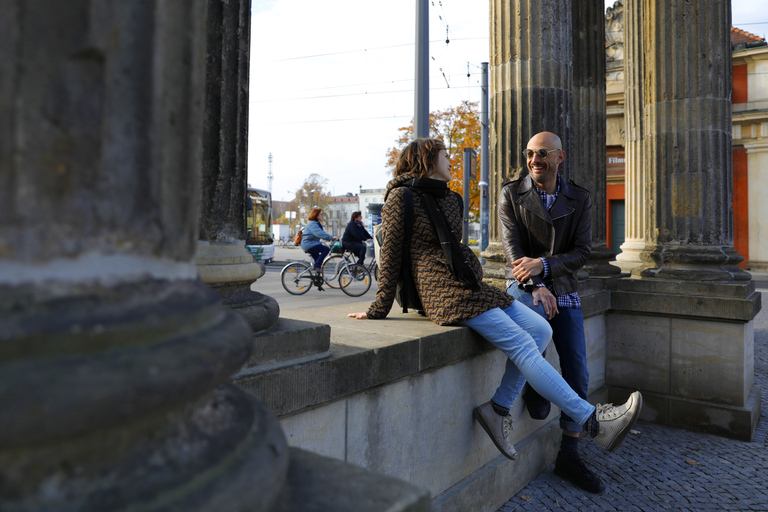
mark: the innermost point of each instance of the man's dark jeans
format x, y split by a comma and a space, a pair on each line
571, 345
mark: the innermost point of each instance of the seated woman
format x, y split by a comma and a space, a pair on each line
311, 236
355, 236
448, 279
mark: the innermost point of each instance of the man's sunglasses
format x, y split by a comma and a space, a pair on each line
528, 153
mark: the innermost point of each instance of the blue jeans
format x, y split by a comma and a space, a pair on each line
318, 253
358, 249
522, 335
571, 345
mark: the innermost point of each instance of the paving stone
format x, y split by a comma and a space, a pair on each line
664, 468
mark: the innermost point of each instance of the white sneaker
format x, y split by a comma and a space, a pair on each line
616, 422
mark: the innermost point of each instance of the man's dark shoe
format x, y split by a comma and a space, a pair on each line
538, 406
575, 471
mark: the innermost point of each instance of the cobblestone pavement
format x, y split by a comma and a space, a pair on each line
662, 468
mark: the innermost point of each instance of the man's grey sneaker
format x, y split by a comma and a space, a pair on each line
497, 427
614, 423
575, 471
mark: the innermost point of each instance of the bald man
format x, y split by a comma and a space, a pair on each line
546, 231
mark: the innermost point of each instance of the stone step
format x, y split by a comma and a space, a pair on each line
321, 484
287, 342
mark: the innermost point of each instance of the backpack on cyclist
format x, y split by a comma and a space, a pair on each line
297, 238
406, 295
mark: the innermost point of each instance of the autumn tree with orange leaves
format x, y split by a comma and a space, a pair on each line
459, 128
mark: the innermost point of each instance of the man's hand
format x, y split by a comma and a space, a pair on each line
541, 294
526, 267
359, 316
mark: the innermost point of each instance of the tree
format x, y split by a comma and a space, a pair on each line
312, 194
459, 128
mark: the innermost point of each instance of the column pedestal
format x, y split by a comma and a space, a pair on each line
688, 347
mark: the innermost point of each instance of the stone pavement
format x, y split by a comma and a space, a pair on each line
662, 468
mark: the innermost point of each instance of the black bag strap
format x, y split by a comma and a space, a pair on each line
405, 267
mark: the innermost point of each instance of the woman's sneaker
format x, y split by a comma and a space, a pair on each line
497, 427
609, 425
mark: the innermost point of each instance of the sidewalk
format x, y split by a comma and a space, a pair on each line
662, 468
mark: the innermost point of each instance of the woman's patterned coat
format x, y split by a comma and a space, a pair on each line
446, 300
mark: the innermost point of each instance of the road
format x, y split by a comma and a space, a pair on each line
269, 284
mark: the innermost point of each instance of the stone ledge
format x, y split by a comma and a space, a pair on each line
363, 354
714, 301
289, 340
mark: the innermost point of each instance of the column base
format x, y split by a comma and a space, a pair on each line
691, 263
230, 270
599, 264
722, 420
689, 348
113, 400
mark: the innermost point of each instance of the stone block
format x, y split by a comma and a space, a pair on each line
638, 352
489, 487
410, 429
320, 484
595, 333
711, 361
321, 430
289, 341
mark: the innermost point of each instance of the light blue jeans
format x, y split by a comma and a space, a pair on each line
523, 335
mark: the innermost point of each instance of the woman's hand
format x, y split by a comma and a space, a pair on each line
359, 316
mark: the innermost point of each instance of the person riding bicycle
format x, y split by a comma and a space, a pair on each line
355, 236
312, 235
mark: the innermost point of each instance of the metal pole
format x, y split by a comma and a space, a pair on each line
467, 163
421, 90
484, 199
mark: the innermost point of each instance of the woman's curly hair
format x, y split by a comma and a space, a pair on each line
420, 156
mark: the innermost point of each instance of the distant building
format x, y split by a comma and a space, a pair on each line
370, 196
339, 211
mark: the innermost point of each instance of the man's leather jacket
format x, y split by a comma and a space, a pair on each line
563, 235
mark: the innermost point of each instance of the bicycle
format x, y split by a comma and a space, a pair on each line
299, 276
335, 263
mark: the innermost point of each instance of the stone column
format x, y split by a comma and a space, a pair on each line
687, 154
530, 91
222, 259
115, 356
634, 178
757, 154
682, 327
588, 135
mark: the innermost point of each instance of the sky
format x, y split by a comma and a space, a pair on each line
331, 82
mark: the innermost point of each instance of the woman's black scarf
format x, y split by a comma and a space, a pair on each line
428, 189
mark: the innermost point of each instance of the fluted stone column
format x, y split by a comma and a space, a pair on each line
114, 355
222, 259
687, 152
682, 327
588, 158
634, 238
530, 90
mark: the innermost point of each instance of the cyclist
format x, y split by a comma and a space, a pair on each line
311, 236
355, 236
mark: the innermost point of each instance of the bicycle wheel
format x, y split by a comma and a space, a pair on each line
296, 278
355, 280
331, 268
